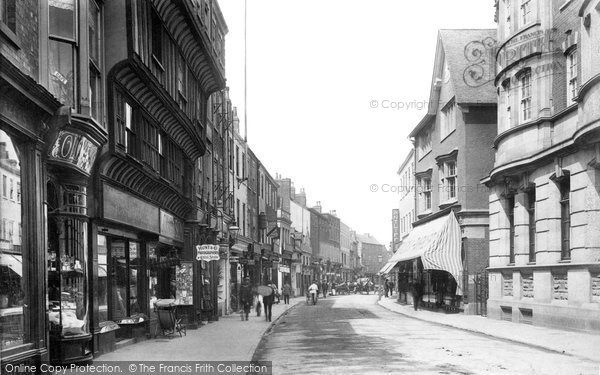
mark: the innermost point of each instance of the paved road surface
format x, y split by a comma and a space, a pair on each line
352, 334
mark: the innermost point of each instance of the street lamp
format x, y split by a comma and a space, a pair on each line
233, 233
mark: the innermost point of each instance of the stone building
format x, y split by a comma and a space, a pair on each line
544, 199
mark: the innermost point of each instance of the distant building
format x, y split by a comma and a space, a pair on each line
373, 254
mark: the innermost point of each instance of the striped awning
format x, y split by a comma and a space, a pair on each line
438, 244
387, 268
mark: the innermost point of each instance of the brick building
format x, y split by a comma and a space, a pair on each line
452, 152
544, 200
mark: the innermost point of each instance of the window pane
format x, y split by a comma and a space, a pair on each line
62, 18
95, 93
61, 71
118, 280
102, 279
94, 31
13, 282
134, 273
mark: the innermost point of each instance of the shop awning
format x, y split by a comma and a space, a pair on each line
387, 268
438, 244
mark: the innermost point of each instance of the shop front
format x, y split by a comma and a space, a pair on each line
430, 259
139, 258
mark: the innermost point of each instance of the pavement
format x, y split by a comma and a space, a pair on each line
577, 344
355, 335
228, 339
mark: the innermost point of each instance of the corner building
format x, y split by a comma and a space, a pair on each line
544, 200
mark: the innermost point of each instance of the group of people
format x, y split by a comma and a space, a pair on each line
248, 295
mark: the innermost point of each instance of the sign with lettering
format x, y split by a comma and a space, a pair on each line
74, 149
184, 279
234, 259
284, 268
207, 252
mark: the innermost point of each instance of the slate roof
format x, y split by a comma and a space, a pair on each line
461, 48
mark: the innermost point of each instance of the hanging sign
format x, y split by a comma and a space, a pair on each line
74, 149
207, 252
234, 259
284, 268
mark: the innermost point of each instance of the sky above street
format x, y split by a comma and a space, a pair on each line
325, 79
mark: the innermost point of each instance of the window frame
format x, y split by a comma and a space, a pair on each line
510, 214
448, 120
565, 218
572, 75
73, 43
525, 12
526, 96
531, 202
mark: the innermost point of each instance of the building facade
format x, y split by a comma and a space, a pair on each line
108, 144
301, 228
373, 255
544, 200
452, 151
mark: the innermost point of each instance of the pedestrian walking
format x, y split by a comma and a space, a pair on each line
246, 297
324, 288
287, 291
386, 287
417, 293
391, 288
269, 300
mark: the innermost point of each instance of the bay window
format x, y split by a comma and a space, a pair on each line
62, 50
525, 81
95, 60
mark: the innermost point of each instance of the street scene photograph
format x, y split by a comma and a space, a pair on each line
299, 187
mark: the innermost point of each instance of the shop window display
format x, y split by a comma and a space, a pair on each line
70, 338
14, 329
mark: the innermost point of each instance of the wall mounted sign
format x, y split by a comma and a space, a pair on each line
207, 252
170, 226
234, 259
184, 279
127, 209
284, 268
74, 149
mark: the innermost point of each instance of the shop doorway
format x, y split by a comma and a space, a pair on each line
481, 292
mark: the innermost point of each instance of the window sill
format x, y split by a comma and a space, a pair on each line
10, 35
447, 135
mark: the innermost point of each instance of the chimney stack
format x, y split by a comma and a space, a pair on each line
318, 206
301, 197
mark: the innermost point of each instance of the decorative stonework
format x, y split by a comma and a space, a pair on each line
596, 287
507, 285
560, 287
527, 286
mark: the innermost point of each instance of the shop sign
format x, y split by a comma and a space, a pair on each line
207, 252
250, 262
234, 259
74, 149
170, 226
127, 209
284, 269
